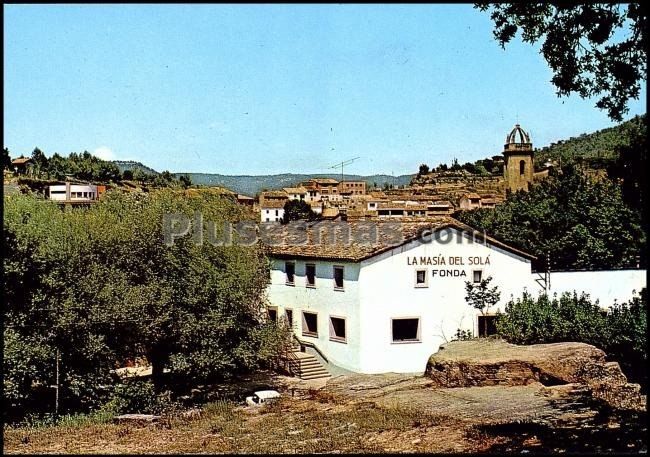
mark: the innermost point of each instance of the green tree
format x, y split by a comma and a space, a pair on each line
424, 169
99, 285
6, 159
621, 332
579, 221
594, 50
481, 297
40, 161
185, 180
127, 175
298, 210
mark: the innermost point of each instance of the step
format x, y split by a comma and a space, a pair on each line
318, 376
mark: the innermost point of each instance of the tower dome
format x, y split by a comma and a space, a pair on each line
517, 136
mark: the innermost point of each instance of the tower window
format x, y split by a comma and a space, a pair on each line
522, 167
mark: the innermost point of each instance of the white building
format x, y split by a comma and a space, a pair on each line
272, 211
389, 299
296, 193
73, 192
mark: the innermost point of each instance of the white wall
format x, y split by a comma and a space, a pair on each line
59, 192
604, 286
270, 214
323, 300
388, 291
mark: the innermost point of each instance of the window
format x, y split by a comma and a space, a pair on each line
477, 276
276, 212
290, 269
406, 330
268, 220
522, 167
421, 278
309, 324
338, 278
267, 212
310, 273
337, 329
491, 325
289, 314
273, 314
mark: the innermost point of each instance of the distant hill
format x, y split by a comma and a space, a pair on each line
251, 185
595, 148
132, 165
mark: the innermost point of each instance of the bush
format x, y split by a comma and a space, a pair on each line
138, 397
544, 319
620, 332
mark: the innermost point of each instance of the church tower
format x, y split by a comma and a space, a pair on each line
518, 160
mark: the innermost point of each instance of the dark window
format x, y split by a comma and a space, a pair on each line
310, 273
491, 325
337, 329
477, 276
289, 314
309, 324
406, 330
290, 269
338, 277
522, 167
273, 314
420, 278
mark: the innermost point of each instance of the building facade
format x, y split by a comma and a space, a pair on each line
75, 193
386, 305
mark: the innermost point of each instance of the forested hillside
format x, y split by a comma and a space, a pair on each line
596, 149
250, 185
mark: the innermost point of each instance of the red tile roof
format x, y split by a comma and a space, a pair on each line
330, 240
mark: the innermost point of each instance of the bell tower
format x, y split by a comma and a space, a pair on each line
518, 160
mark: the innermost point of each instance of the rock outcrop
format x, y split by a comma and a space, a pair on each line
488, 362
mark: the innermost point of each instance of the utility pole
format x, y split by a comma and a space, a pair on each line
341, 164
56, 398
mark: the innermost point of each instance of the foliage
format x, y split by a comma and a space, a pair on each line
481, 297
594, 50
545, 319
581, 222
462, 335
424, 169
591, 149
295, 210
88, 167
100, 285
631, 165
621, 332
137, 396
6, 159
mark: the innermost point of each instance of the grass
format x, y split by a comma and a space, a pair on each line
298, 426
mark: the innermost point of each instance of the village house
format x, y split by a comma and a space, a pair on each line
296, 193
23, 166
75, 193
470, 201
440, 208
375, 297
245, 200
272, 206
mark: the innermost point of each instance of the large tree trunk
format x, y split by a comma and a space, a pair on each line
157, 359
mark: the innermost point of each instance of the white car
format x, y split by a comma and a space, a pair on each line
262, 396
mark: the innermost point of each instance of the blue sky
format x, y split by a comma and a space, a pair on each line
259, 89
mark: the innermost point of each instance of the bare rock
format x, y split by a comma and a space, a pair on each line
138, 419
495, 362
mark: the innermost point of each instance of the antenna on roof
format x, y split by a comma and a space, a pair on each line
342, 164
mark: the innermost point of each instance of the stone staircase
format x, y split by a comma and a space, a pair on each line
304, 365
